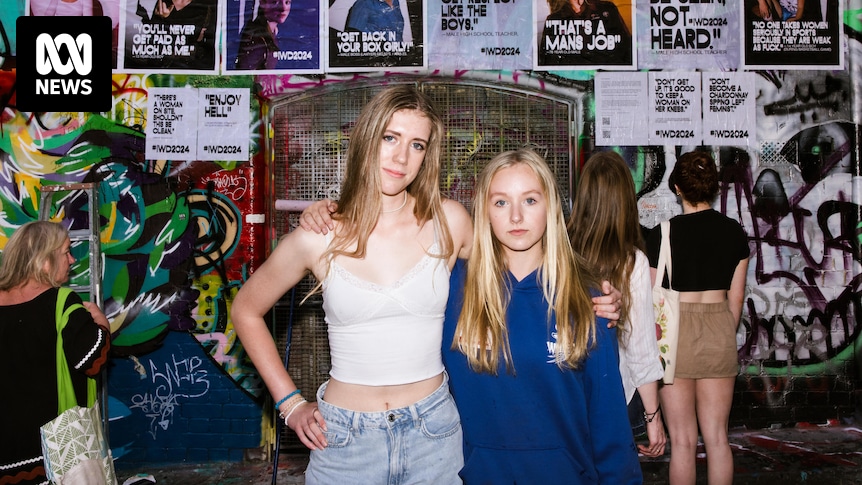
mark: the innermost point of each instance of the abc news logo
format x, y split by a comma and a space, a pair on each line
63, 64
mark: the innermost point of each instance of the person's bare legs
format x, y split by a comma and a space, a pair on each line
678, 412
713, 401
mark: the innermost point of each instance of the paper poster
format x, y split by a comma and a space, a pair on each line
370, 35
729, 108
622, 108
172, 127
466, 34
223, 119
675, 115
273, 36
171, 36
792, 35
77, 8
681, 34
578, 34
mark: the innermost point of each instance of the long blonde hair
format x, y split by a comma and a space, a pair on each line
33, 254
604, 225
360, 202
481, 333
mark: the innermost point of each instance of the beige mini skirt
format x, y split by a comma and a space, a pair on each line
707, 341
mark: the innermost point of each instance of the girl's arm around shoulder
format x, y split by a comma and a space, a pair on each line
460, 227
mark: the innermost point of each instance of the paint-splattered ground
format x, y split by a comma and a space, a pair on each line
810, 455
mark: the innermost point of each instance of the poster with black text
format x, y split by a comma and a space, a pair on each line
171, 130
729, 108
273, 36
675, 108
170, 36
465, 34
584, 35
622, 108
792, 35
680, 34
372, 35
223, 119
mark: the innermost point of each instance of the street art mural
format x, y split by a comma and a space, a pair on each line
167, 230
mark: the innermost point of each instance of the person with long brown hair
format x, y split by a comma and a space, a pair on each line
605, 231
386, 412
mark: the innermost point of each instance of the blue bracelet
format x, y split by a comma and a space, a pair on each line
285, 398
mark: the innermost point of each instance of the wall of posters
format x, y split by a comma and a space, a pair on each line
264, 36
575, 34
675, 115
198, 124
781, 35
369, 35
174, 36
688, 35
490, 35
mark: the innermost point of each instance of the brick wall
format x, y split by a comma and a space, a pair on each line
180, 408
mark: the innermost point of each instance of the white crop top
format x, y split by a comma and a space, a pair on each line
387, 335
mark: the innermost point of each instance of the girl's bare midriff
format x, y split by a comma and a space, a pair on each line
708, 296
369, 399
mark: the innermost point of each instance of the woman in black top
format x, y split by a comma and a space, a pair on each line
709, 252
36, 262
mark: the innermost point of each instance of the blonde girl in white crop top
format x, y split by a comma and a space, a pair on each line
395, 238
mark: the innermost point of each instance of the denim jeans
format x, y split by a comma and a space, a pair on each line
420, 443
636, 416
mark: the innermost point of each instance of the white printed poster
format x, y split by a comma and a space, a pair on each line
621, 108
675, 115
464, 34
171, 131
729, 108
223, 115
688, 35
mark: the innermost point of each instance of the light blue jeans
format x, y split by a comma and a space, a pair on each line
420, 443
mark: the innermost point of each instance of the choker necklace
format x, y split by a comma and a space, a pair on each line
399, 207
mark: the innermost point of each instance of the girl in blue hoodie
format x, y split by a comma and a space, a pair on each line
541, 399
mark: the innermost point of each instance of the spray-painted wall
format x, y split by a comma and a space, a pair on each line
177, 244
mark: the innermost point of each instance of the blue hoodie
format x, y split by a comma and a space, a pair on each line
543, 424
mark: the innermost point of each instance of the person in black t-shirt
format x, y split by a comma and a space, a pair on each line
709, 252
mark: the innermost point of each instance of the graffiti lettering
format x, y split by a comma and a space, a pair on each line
180, 378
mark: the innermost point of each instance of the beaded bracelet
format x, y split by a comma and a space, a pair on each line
289, 404
295, 406
285, 398
650, 417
